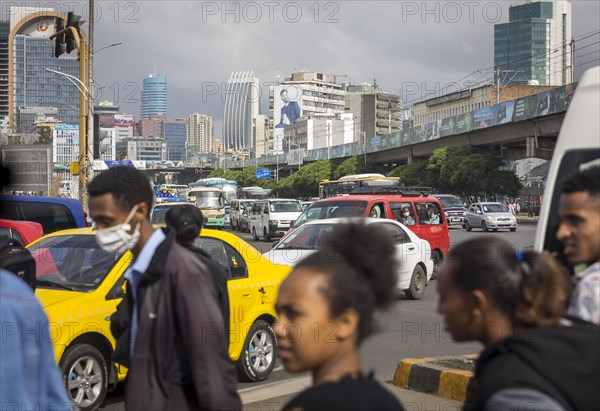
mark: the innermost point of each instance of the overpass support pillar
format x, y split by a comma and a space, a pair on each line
530, 147
409, 159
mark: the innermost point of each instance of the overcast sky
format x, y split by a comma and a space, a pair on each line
411, 48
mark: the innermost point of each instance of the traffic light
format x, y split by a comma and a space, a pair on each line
59, 41
72, 21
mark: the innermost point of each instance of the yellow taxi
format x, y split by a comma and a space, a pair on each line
80, 286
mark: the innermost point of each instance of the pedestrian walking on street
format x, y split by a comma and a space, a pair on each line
325, 311
579, 232
168, 325
29, 377
513, 303
187, 221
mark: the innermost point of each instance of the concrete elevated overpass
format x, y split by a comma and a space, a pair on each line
514, 141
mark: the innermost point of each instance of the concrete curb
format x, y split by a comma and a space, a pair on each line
431, 375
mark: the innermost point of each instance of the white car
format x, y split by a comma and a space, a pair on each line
413, 253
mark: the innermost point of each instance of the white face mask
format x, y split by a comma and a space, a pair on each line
406, 214
117, 238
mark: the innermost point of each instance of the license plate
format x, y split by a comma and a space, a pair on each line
456, 219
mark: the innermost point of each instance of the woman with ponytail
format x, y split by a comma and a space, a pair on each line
325, 309
513, 302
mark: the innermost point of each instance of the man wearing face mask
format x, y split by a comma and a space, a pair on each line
168, 324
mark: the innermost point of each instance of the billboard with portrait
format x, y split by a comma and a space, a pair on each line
287, 108
503, 112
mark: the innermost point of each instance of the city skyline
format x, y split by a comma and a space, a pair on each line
411, 49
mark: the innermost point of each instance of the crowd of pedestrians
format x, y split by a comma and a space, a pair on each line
539, 325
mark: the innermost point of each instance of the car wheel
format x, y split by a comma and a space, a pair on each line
437, 260
468, 226
418, 282
85, 375
484, 226
266, 236
513, 229
254, 236
259, 353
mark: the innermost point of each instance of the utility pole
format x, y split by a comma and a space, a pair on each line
497, 85
70, 36
91, 98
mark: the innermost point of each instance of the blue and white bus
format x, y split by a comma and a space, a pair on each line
229, 187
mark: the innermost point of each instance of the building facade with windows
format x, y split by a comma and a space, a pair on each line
375, 111
535, 45
242, 98
31, 89
460, 102
146, 149
199, 133
154, 96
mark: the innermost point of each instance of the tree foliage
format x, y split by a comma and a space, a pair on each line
352, 165
463, 171
305, 182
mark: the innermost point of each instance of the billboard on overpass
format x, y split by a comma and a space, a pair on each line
29, 166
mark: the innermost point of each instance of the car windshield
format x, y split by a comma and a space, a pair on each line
73, 262
158, 214
332, 209
451, 202
494, 208
307, 237
285, 206
208, 199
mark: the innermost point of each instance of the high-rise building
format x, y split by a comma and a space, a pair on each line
241, 107
32, 90
375, 111
535, 45
4, 32
303, 94
172, 131
199, 133
154, 96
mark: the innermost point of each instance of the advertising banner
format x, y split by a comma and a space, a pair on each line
123, 120
373, 144
295, 156
569, 91
503, 112
482, 118
286, 110
548, 102
406, 137
464, 123
447, 128
396, 139
525, 108
418, 133
433, 130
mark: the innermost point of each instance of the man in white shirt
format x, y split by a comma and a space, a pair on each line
579, 232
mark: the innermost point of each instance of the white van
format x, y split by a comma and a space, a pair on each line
237, 211
577, 148
272, 218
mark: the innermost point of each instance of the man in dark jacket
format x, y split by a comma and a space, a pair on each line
167, 326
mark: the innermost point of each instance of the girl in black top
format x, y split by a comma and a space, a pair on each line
326, 308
